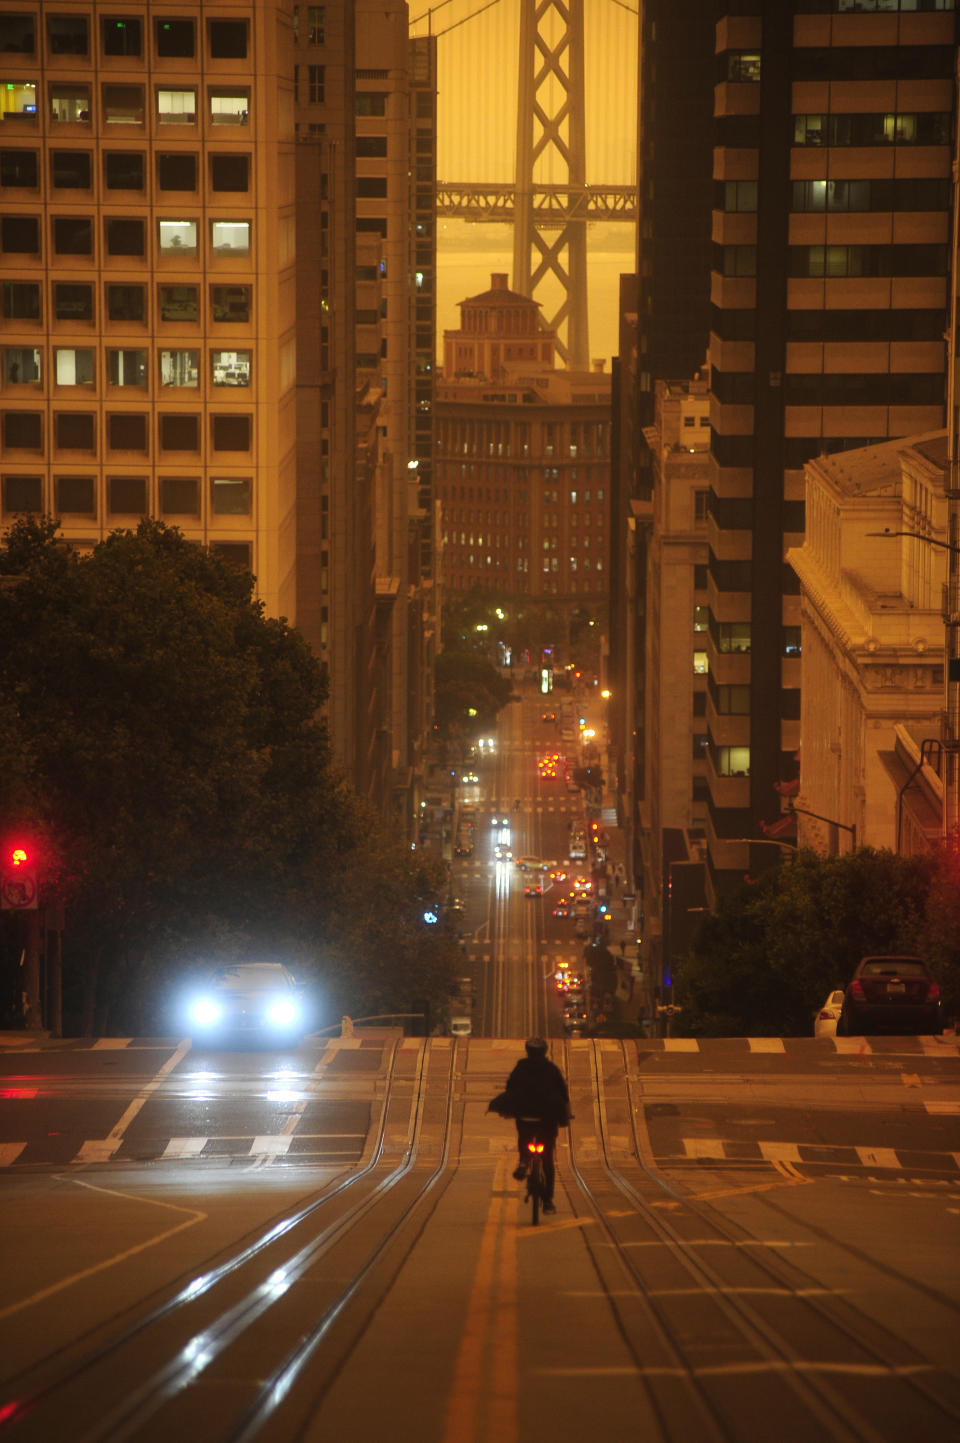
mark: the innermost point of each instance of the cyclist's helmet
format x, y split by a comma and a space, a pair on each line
536, 1046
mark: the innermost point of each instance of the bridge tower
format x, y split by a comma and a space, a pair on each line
549, 203
551, 127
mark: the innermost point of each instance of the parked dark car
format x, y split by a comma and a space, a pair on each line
890, 994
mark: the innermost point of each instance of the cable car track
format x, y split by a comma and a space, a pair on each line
171, 1360
774, 1322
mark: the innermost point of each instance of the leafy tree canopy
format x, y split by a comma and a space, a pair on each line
766, 958
162, 737
468, 693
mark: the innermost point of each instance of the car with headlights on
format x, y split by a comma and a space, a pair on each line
249, 1001
891, 994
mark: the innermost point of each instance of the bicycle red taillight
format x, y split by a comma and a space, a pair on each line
534, 1147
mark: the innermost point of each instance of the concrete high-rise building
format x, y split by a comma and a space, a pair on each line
831, 222
523, 461
147, 266
366, 120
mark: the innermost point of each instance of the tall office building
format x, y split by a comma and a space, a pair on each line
147, 270
831, 223
366, 144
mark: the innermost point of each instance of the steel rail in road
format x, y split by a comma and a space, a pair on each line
242, 1295
884, 1374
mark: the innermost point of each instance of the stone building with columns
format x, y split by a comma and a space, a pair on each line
872, 570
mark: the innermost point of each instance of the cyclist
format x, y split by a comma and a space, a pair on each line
537, 1090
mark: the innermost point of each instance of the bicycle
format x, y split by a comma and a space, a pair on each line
537, 1195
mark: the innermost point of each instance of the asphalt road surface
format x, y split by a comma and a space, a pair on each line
753, 1240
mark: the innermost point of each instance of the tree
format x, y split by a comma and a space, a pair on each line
468, 693
766, 957
164, 737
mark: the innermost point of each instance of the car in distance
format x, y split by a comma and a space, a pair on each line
529, 864
826, 1019
249, 1000
533, 889
890, 994
503, 853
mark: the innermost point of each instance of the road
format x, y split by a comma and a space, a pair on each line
756, 1239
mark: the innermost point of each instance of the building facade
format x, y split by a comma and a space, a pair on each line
672, 805
831, 221
147, 265
872, 570
523, 460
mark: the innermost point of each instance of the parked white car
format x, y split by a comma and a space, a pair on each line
825, 1021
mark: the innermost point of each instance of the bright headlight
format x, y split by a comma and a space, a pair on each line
205, 1011
282, 1012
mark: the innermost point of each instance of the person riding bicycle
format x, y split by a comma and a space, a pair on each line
540, 1103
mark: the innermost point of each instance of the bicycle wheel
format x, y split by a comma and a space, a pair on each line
535, 1189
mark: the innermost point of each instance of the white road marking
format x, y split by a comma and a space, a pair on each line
101, 1149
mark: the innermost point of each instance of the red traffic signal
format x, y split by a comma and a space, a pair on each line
18, 879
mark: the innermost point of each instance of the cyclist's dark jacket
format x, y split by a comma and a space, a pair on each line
536, 1088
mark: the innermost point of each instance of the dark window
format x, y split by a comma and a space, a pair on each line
21, 301
699, 577
20, 234
175, 39
17, 34
70, 169
179, 433
371, 187
73, 302
372, 225
19, 168
23, 430
733, 388
731, 575
699, 703
231, 433
230, 495
731, 450
74, 430
22, 493
72, 235
370, 102
874, 325
234, 553
228, 39
121, 35
732, 513
230, 172
67, 34
123, 169
179, 303
125, 236
126, 431
373, 146
873, 62
179, 496
76, 495
127, 495
177, 170
735, 260
316, 84
122, 104
230, 303
126, 303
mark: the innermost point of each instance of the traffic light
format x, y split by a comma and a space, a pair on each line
18, 878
